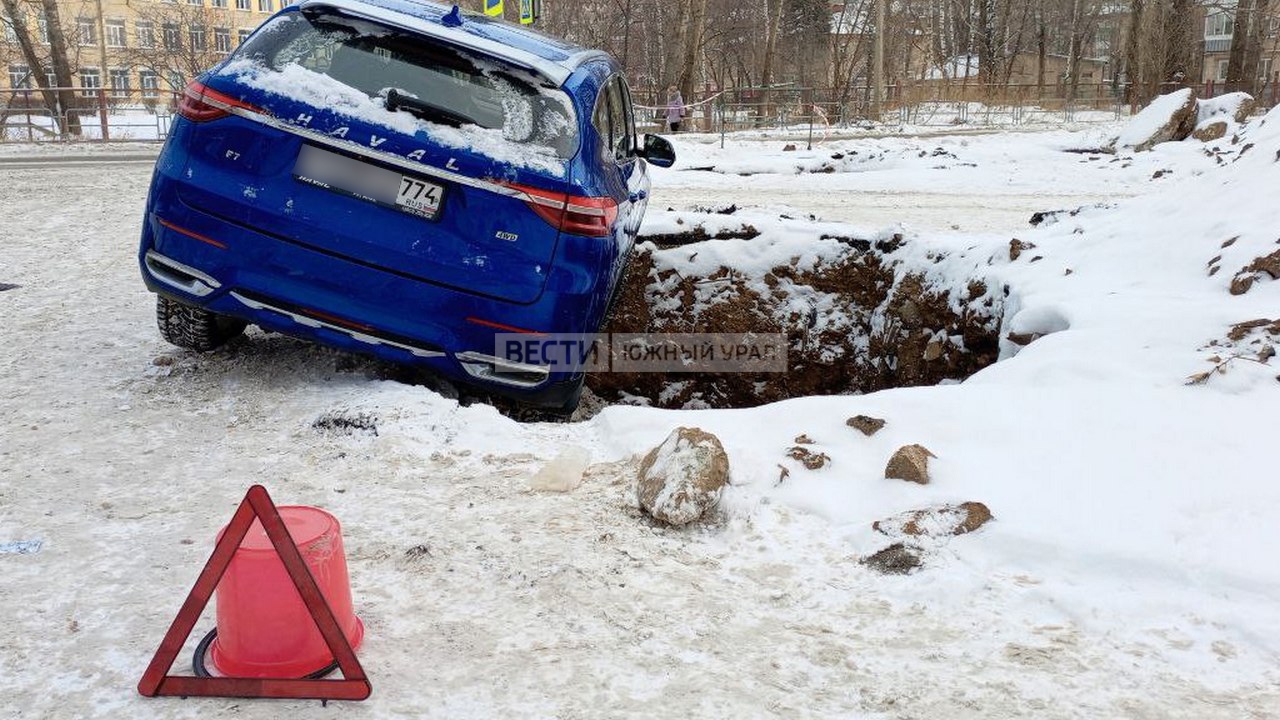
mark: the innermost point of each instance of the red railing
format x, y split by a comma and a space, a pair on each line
91, 114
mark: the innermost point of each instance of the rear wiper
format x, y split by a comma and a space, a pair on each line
398, 99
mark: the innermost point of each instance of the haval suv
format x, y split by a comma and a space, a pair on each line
402, 179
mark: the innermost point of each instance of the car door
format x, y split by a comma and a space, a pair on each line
615, 120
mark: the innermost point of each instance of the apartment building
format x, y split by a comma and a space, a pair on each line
1219, 33
138, 50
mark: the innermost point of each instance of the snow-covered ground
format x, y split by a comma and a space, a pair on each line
971, 183
1130, 570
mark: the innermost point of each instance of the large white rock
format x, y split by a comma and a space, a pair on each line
1165, 119
681, 479
1235, 107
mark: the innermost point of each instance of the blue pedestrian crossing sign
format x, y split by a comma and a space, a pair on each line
493, 8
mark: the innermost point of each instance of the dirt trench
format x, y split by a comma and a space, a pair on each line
856, 321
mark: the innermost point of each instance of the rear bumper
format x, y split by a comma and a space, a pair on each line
282, 286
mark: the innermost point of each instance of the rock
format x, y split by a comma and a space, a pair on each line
937, 521
1017, 247
1236, 107
1168, 117
811, 460
1240, 331
865, 424
789, 148
1241, 284
563, 473
681, 479
933, 350
1023, 339
1210, 131
1268, 265
910, 463
897, 559
803, 439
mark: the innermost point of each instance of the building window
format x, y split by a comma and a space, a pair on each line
10, 35
1221, 75
1264, 69
116, 35
86, 31
1219, 24
172, 36
90, 80
19, 77
149, 81
265, 6
176, 81
194, 2
243, 4
197, 38
222, 40
119, 79
42, 28
146, 34
218, 3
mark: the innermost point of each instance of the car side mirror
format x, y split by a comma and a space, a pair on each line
659, 151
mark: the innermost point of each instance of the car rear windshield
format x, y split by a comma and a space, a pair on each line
404, 73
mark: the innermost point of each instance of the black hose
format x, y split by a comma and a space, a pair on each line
202, 649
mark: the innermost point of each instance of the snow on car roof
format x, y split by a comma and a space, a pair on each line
552, 58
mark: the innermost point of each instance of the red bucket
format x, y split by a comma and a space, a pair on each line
264, 629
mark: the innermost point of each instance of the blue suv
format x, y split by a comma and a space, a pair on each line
397, 178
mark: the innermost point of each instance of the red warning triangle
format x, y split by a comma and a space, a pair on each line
156, 682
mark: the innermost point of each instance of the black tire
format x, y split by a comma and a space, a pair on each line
194, 328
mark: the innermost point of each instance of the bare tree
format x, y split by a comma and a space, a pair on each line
58, 99
1246, 44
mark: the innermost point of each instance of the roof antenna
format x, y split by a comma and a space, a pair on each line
453, 19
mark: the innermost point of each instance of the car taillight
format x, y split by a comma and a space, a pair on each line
579, 215
195, 103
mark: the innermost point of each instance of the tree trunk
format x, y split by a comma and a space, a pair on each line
877, 62
58, 101
692, 46
770, 48
1240, 37
1042, 53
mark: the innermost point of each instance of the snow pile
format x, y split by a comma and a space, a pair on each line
1132, 488
1164, 119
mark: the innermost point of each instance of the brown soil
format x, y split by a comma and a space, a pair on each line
898, 332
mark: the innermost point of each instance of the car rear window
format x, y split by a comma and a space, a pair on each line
405, 73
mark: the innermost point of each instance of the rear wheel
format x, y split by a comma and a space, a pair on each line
194, 328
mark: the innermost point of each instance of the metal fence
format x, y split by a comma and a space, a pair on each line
925, 104
94, 114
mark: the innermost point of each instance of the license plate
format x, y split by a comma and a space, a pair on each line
419, 196
370, 183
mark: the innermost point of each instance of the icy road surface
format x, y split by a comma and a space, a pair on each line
483, 599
